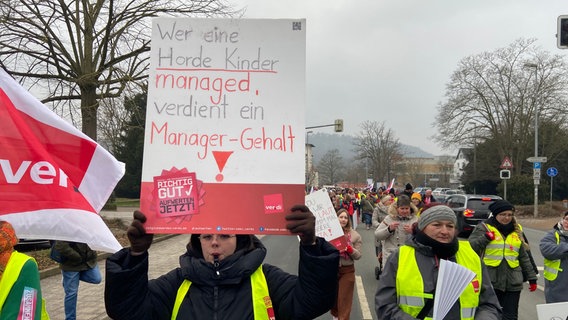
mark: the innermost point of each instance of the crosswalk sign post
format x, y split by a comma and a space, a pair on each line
506, 163
505, 174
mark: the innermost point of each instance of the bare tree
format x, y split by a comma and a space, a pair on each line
379, 146
413, 170
497, 94
330, 167
85, 50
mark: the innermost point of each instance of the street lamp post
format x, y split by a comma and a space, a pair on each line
474, 156
536, 181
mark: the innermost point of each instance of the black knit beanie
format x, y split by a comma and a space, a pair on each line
500, 206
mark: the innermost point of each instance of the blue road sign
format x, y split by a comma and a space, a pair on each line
536, 165
552, 172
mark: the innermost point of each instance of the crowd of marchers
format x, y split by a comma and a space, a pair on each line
224, 276
414, 232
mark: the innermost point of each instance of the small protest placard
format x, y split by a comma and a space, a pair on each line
327, 223
552, 311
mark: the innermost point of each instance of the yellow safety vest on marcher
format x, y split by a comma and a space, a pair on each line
410, 284
261, 302
10, 276
501, 248
552, 267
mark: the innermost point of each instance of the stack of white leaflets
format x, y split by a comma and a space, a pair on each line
452, 280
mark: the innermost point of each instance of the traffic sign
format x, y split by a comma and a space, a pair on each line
552, 172
536, 174
536, 165
506, 163
537, 159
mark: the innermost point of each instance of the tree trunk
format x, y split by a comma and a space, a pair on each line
89, 106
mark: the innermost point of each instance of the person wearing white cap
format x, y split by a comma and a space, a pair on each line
407, 286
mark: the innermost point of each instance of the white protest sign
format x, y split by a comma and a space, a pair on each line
327, 223
552, 311
224, 140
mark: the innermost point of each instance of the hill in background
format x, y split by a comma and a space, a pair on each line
324, 142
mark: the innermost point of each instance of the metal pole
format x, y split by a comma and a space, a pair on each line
551, 191
505, 187
536, 181
474, 156
475, 160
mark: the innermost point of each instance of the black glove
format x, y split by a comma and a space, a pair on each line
140, 241
303, 223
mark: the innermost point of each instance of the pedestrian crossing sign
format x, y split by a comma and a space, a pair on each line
506, 163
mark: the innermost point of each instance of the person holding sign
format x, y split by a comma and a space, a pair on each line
408, 283
499, 240
554, 249
222, 276
346, 276
20, 288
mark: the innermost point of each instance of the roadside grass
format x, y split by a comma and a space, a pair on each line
126, 202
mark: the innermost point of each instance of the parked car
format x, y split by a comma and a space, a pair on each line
26, 245
470, 209
422, 190
444, 194
438, 191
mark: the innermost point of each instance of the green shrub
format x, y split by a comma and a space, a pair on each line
520, 190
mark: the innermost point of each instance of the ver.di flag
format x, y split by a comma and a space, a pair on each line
53, 178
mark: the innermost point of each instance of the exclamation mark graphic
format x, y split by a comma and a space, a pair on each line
221, 159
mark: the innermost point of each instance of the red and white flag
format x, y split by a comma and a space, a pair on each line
53, 178
391, 184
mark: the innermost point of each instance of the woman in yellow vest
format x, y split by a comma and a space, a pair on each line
407, 286
222, 276
554, 249
499, 241
20, 291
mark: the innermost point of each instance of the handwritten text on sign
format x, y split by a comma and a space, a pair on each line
225, 104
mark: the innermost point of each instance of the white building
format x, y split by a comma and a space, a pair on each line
460, 163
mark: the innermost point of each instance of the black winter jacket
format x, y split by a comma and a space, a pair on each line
129, 294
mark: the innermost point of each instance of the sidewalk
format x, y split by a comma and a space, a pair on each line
164, 256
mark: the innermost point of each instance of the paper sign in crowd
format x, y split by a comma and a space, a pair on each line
224, 140
327, 223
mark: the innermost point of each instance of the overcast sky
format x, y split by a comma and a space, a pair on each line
391, 59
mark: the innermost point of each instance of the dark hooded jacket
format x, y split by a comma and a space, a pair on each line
222, 292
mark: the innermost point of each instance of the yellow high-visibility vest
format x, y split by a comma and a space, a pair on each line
410, 284
552, 267
11, 275
261, 302
500, 248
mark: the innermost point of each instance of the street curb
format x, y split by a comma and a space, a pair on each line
55, 270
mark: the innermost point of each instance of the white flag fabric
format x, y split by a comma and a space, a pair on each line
53, 178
